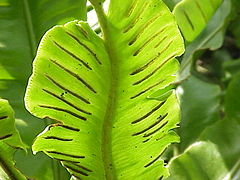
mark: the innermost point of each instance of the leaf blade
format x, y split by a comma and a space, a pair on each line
192, 16
201, 160
9, 141
107, 121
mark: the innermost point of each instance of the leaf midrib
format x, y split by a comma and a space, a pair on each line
111, 105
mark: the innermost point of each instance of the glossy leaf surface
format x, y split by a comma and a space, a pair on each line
192, 16
9, 141
211, 38
196, 113
201, 160
225, 134
97, 89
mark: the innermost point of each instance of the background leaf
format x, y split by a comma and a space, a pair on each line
201, 160
171, 3
192, 16
22, 23
225, 134
232, 101
9, 141
196, 113
211, 38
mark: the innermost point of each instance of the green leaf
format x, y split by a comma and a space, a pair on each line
9, 141
211, 38
3, 175
97, 89
201, 160
200, 105
232, 100
17, 47
8, 132
5, 74
232, 67
192, 16
7, 165
171, 3
22, 23
225, 134
163, 93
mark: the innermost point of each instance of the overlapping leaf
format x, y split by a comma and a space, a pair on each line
9, 140
211, 38
193, 15
232, 101
8, 132
196, 114
201, 160
225, 135
22, 23
18, 46
216, 158
97, 89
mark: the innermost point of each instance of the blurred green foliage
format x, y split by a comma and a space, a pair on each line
22, 24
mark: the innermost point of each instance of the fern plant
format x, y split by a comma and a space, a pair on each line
98, 90
108, 88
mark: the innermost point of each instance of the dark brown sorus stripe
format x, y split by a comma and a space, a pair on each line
145, 66
76, 176
146, 90
67, 90
160, 178
146, 25
156, 130
73, 55
65, 160
47, 117
65, 154
166, 47
188, 19
151, 126
64, 110
135, 21
82, 167
69, 127
65, 101
76, 170
3, 117
154, 71
82, 31
5, 137
161, 137
161, 41
132, 7
74, 75
152, 60
64, 126
57, 138
150, 40
153, 161
146, 140
85, 46
149, 113
201, 10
